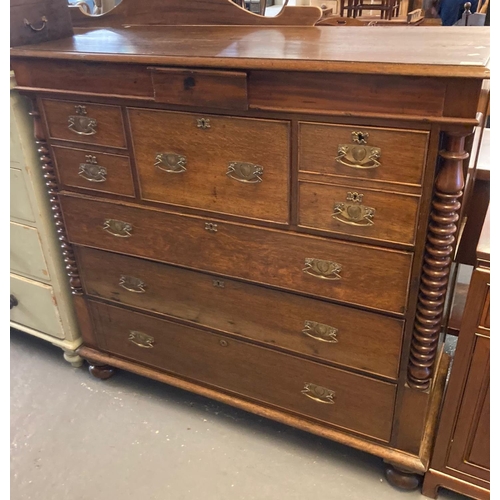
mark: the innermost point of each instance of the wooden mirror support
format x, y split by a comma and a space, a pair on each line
192, 13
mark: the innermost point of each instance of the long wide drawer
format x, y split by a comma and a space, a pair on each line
329, 332
351, 273
323, 393
237, 166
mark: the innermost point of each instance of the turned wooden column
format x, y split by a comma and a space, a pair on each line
52, 188
437, 261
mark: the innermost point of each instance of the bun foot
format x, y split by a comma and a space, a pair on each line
101, 371
401, 479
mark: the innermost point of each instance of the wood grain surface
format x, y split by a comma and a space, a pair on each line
364, 341
260, 255
360, 404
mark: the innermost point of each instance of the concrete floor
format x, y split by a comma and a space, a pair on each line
129, 438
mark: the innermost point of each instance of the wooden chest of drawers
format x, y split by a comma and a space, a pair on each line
232, 227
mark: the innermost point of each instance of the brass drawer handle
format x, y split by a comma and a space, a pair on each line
44, 21
171, 162
132, 284
141, 339
354, 213
91, 171
324, 269
319, 331
203, 123
80, 123
318, 393
118, 228
245, 172
358, 155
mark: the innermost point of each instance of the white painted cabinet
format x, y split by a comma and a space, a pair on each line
41, 302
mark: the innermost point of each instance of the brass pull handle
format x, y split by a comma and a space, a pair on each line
353, 212
91, 171
13, 301
171, 162
203, 123
141, 339
248, 173
324, 269
44, 21
80, 123
318, 393
319, 331
358, 155
132, 284
118, 228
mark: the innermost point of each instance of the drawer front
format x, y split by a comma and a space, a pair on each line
20, 205
355, 210
94, 171
233, 166
332, 333
343, 399
202, 88
87, 123
39, 21
36, 306
297, 262
26, 254
382, 154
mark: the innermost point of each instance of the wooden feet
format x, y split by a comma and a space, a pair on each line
101, 371
73, 358
402, 479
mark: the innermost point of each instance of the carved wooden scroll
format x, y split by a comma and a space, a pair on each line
52, 188
437, 261
191, 13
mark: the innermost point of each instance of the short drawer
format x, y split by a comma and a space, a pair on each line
93, 170
20, 205
346, 272
326, 394
383, 154
83, 122
202, 88
36, 306
355, 210
235, 166
328, 332
26, 254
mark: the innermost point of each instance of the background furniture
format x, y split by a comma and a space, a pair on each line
299, 278
461, 458
40, 300
35, 21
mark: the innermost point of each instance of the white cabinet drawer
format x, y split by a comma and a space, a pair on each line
26, 254
36, 306
20, 205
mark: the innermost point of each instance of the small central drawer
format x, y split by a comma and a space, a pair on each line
229, 165
326, 394
97, 124
200, 88
94, 170
347, 272
328, 332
